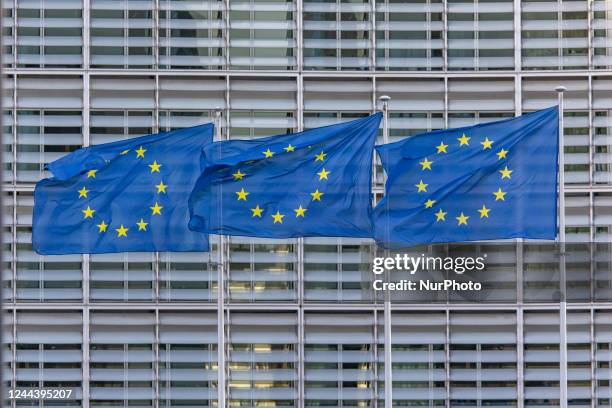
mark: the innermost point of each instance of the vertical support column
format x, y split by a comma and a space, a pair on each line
156, 260
86, 36
226, 31
301, 357
563, 396
375, 358
14, 182
156, 378
445, 37
299, 45
85, 367
14, 357
517, 35
156, 34
519, 242
300, 241
85, 259
387, 302
373, 35
220, 297
520, 357
447, 358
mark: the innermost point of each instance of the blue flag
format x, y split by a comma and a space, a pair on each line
312, 183
491, 181
124, 196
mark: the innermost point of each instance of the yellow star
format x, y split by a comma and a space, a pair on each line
102, 227
161, 187
238, 175
484, 212
88, 212
142, 225
92, 173
462, 219
442, 147
268, 153
290, 148
156, 209
505, 173
499, 195
421, 186
300, 212
155, 166
316, 196
122, 231
278, 217
502, 154
486, 144
463, 140
323, 174
429, 203
426, 164
242, 195
83, 192
126, 151
140, 152
320, 156
257, 211
440, 215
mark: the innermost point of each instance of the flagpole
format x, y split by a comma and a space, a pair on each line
563, 395
220, 296
387, 301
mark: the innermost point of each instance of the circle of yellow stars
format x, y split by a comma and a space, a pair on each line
463, 217
140, 225
300, 211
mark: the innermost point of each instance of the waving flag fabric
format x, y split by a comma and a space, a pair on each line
491, 181
124, 196
312, 183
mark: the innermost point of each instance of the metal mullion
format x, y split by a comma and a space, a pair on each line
445, 37
592, 357
446, 103
85, 258
591, 135
156, 362
301, 359
14, 130
226, 33
447, 358
15, 37
14, 246
375, 358
517, 35
86, 357
14, 357
520, 357
156, 34
156, 261
86, 33
299, 10
338, 36
372, 33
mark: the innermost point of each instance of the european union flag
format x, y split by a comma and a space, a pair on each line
124, 196
491, 181
312, 183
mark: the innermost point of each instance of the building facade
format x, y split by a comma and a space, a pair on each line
140, 329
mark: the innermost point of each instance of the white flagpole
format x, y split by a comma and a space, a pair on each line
387, 300
562, 271
220, 297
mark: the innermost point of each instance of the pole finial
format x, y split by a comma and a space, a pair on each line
384, 98
560, 89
